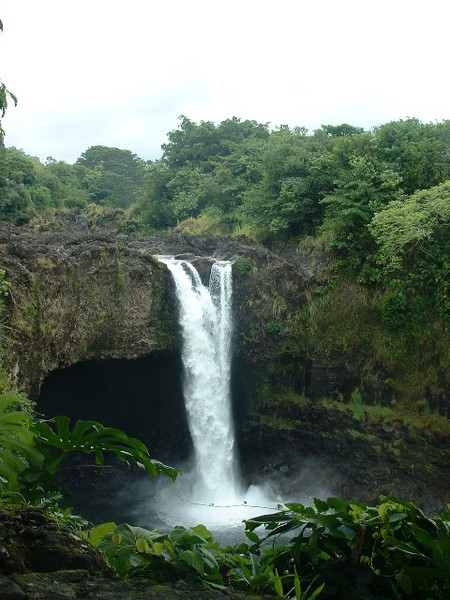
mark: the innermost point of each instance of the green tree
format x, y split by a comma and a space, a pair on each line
286, 199
203, 165
155, 209
191, 143
192, 190
413, 238
360, 191
66, 183
418, 152
5, 96
119, 175
203, 145
17, 177
341, 130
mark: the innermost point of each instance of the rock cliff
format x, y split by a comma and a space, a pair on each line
81, 293
78, 294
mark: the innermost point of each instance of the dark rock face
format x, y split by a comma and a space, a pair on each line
313, 450
75, 298
31, 541
142, 397
79, 295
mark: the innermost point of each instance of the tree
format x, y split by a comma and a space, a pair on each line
362, 189
203, 145
66, 183
341, 130
119, 175
418, 152
155, 209
203, 166
286, 199
16, 181
192, 190
5, 94
413, 238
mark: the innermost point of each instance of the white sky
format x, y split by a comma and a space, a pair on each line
119, 73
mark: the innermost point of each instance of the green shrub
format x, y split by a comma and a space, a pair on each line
243, 266
272, 328
394, 306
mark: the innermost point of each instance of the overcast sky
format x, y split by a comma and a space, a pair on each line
119, 73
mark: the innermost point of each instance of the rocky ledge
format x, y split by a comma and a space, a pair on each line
41, 560
80, 294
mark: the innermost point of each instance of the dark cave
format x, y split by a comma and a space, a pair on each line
142, 397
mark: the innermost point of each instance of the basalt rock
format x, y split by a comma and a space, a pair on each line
317, 450
31, 540
78, 294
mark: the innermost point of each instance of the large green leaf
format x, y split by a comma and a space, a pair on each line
17, 449
90, 437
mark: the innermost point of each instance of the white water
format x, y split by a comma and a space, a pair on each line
206, 323
211, 494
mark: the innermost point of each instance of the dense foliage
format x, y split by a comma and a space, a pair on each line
334, 549
275, 184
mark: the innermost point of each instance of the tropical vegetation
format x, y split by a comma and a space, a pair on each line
377, 203
334, 549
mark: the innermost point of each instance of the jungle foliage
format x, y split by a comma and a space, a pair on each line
334, 549
376, 200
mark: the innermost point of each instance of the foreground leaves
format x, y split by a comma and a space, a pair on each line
389, 551
335, 549
55, 439
17, 449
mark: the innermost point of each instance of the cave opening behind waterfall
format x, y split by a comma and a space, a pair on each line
142, 397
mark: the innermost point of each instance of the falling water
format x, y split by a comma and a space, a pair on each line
211, 494
206, 324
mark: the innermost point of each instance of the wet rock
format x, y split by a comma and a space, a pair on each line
30, 540
186, 256
9, 590
74, 585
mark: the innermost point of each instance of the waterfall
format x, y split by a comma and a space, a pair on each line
206, 324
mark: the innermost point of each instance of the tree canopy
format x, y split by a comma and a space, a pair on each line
111, 176
374, 199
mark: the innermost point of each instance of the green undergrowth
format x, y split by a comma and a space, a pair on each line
407, 362
417, 423
333, 549
287, 410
